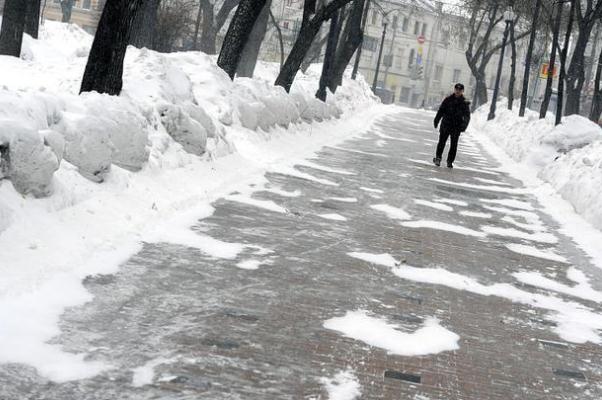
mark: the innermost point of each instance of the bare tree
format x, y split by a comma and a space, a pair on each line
174, 24
329, 57
563, 57
350, 42
32, 18
248, 59
238, 34
212, 22
596, 110
13, 23
548, 91
310, 26
145, 25
280, 40
104, 70
587, 13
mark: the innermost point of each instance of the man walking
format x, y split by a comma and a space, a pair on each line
455, 112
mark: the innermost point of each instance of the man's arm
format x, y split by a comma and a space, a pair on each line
466, 116
440, 114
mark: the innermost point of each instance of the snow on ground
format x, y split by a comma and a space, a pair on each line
475, 214
490, 188
311, 164
576, 322
343, 386
582, 289
540, 237
392, 212
343, 199
431, 204
333, 217
265, 204
141, 167
371, 190
554, 163
144, 374
443, 226
546, 254
452, 201
431, 338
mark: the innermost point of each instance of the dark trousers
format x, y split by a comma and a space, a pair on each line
443, 135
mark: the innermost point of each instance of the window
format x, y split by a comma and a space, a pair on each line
285, 24
438, 72
374, 17
404, 96
369, 43
412, 57
399, 58
395, 22
457, 75
424, 29
87, 4
406, 22
416, 27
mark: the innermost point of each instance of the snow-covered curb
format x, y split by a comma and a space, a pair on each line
561, 166
569, 157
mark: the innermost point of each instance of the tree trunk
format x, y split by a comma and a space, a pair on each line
563, 57
297, 54
352, 39
280, 40
525, 92
575, 78
66, 8
313, 53
104, 70
512, 68
480, 90
238, 34
13, 23
358, 56
548, 92
145, 25
329, 57
209, 32
248, 59
197, 27
309, 30
32, 18
596, 110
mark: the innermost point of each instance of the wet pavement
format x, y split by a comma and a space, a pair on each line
208, 329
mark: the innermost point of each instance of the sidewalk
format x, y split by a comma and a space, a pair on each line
270, 308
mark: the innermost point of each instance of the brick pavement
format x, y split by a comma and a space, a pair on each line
229, 333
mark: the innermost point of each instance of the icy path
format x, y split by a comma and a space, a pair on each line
382, 277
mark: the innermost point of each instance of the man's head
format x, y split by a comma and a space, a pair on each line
459, 90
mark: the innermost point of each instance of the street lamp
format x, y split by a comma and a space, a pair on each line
385, 15
508, 18
380, 53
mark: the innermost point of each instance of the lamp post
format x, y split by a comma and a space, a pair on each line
380, 54
508, 18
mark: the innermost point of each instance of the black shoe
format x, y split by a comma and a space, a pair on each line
450, 165
437, 161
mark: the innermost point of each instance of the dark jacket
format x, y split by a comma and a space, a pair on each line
455, 112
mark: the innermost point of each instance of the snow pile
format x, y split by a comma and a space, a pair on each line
568, 156
344, 386
181, 98
114, 172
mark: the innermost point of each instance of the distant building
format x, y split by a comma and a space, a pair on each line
86, 13
423, 53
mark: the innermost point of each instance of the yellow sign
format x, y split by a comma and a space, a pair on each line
544, 71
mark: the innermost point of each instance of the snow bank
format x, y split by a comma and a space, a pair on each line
184, 96
568, 156
114, 172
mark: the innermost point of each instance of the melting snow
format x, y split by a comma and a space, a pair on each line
265, 204
442, 226
333, 217
432, 338
475, 214
392, 212
311, 164
370, 190
582, 289
344, 386
290, 171
480, 187
535, 252
431, 204
511, 232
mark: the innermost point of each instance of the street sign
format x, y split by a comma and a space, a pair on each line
544, 71
421, 39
